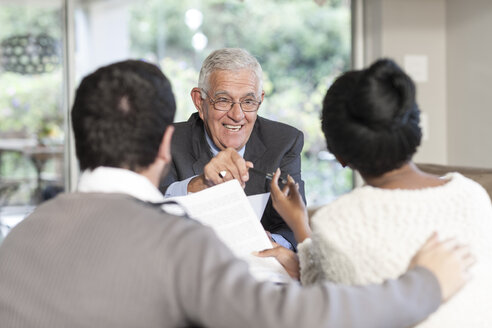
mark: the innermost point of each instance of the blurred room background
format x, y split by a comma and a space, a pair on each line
47, 46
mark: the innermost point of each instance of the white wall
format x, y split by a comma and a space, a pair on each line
469, 66
397, 28
455, 36
101, 29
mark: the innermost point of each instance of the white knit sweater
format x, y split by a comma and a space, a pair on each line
370, 235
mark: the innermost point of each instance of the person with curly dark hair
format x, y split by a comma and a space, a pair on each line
370, 121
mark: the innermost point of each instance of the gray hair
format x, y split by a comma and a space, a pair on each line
230, 59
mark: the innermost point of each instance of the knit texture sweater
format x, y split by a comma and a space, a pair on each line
371, 234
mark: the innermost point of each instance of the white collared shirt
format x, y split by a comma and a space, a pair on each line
115, 180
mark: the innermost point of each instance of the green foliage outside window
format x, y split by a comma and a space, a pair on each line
17, 20
30, 104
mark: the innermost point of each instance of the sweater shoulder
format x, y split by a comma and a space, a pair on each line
463, 182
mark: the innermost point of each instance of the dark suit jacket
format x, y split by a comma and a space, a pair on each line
271, 145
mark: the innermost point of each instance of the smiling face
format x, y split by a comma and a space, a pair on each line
232, 128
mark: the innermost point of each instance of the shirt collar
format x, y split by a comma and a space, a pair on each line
116, 180
216, 150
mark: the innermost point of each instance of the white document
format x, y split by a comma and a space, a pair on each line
227, 210
258, 203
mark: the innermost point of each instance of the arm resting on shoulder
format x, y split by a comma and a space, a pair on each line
215, 289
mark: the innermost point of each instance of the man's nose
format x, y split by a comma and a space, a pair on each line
236, 113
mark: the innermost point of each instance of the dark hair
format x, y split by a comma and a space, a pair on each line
370, 118
120, 114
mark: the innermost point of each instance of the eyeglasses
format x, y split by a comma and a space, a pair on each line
224, 104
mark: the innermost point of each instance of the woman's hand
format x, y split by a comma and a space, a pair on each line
289, 204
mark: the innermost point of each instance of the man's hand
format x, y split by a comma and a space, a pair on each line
286, 257
448, 261
289, 204
225, 166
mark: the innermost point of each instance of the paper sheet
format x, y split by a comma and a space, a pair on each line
227, 210
258, 203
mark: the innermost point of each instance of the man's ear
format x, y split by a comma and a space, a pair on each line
196, 97
165, 147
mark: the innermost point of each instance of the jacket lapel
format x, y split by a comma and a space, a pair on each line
201, 150
199, 165
255, 148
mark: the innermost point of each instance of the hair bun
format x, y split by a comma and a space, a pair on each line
384, 96
371, 120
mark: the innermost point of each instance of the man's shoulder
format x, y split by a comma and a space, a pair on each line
277, 135
120, 210
194, 121
186, 130
265, 124
116, 204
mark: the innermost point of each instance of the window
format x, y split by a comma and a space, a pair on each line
302, 46
31, 108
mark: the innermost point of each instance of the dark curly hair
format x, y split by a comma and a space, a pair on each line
120, 114
370, 118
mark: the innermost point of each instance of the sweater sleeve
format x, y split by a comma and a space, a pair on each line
311, 270
330, 255
336, 262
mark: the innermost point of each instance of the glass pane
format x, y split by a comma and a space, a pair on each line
31, 114
302, 46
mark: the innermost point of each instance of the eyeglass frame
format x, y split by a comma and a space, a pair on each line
213, 102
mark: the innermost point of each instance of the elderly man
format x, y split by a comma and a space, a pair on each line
226, 137
110, 256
